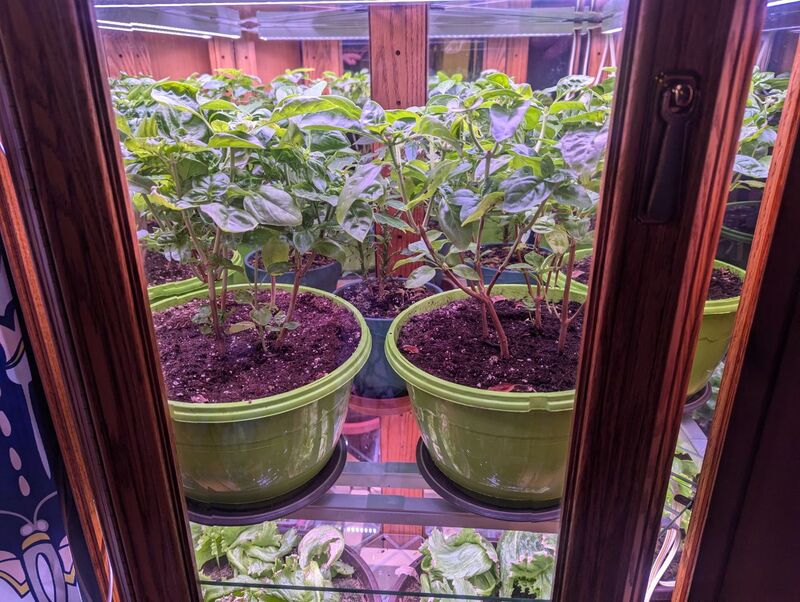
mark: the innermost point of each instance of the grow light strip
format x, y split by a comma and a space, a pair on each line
780, 2
153, 28
264, 3
146, 30
115, 28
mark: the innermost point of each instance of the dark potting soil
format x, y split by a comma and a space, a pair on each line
319, 261
217, 570
200, 369
493, 257
580, 270
724, 284
741, 218
411, 586
160, 270
448, 342
351, 583
396, 297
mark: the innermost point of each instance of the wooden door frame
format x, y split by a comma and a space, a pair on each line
74, 257
757, 412
629, 396
77, 268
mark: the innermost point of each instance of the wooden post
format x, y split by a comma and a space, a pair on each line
125, 52
322, 55
743, 537
640, 333
509, 55
226, 53
83, 297
398, 50
221, 53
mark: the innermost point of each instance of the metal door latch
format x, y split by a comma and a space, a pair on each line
676, 105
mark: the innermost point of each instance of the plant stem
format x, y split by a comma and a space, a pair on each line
212, 300
481, 295
300, 270
479, 271
562, 333
224, 300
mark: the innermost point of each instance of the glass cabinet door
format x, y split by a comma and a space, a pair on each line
364, 241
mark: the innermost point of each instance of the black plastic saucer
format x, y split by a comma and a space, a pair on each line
698, 400
250, 514
471, 502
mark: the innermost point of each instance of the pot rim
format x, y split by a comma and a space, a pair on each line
554, 401
729, 305
738, 235
250, 265
179, 287
710, 308
252, 409
428, 285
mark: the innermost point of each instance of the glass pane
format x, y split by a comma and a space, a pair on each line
757, 139
487, 193
310, 461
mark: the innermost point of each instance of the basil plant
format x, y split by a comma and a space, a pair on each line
759, 130
496, 150
210, 173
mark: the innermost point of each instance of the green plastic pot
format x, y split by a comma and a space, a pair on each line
179, 288
255, 450
715, 335
734, 245
715, 330
508, 448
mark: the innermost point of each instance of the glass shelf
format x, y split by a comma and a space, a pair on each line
386, 510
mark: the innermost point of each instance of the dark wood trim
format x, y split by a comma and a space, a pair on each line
74, 255
744, 537
640, 333
80, 465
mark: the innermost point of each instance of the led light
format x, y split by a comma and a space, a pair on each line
117, 26
263, 3
172, 33
168, 29
200, 32
615, 30
114, 28
780, 2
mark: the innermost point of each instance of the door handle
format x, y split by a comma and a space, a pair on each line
676, 106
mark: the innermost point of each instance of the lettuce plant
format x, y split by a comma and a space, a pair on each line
463, 563
526, 565
261, 555
250, 551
